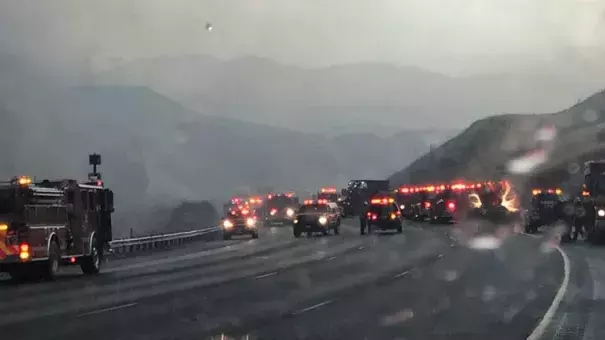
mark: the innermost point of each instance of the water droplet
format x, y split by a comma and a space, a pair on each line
590, 116
489, 293
573, 168
451, 275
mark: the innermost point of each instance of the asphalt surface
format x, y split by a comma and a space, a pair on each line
427, 283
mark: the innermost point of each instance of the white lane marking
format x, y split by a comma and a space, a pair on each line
319, 305
402, 274
451, 244
331, 258
538, 332
108, 309
264, 275
439, 256
361, 247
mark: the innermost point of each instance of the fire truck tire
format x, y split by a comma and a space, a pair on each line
50, 267
297, 232
91, 265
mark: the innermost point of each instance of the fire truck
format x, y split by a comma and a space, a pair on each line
50, 223
328, 194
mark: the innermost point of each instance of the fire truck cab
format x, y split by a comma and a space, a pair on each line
46, 224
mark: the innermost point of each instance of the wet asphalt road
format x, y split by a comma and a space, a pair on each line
423, 284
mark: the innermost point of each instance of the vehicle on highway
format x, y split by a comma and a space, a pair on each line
546, 208
404, 197
240, 221
421, 203
360, 191
591, 216
317, 216
382, 213
451, 203
48, 224
328, 193
280, 209
233, 203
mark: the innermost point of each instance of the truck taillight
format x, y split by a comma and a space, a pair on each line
24, 251
427, 205
451, 205
374, 216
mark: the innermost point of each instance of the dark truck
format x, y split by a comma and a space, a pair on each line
360, 191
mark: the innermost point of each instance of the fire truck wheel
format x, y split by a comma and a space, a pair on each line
91, 264
297, 232
50, 267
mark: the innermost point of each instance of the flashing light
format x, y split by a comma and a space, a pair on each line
404, 190
536, 192
328, 190
383, 200
585, 193
24, 180
427, 205
269, 196
3, 227
601, 213
402, 206
374, 217
24, 251
558, 191
393, 216
451, 205
322, 201
72, 260
290, 195
322, 220
273, 212
245, 212
307, 202
250, 222
227, 224
295, 221
290, 212
551, 191
442, 187
479, 185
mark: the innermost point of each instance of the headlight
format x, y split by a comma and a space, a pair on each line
250, 222
402, 206
295, 221
323, 220
227, 224
601, 212
290, 212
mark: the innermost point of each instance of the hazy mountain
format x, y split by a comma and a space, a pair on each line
491, 147
367, 97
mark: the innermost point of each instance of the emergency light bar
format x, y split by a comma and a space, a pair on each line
328, 190
550, 191
381, 200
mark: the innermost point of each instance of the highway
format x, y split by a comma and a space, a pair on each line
425, 283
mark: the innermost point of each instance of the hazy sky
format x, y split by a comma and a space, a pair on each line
443, 35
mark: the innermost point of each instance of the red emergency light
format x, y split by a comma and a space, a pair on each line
451, 205
404, 190
328, 190
427, 205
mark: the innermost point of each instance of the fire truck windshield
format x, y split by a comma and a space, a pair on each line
332, 197
279, 201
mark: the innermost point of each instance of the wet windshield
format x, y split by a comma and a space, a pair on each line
181, 106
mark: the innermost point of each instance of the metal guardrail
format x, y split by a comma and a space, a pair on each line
130, 245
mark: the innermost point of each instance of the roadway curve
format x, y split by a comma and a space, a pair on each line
422, 284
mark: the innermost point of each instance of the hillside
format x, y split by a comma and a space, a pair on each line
355, 98
486, 148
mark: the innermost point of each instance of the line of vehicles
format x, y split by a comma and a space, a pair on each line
380, 207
